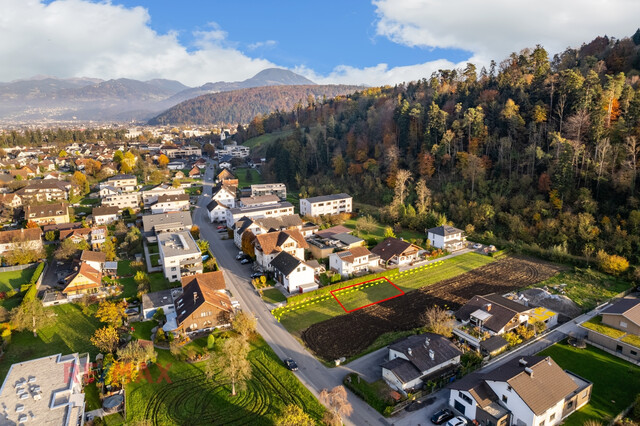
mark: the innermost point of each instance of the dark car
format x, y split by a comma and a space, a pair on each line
256, 275
220, 231
442, 416
245, 260
291, 364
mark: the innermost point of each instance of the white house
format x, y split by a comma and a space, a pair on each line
446, 237
224, 197
163, 299
347, 262
170, 203
105, 215
123, 201
30, 239
417, 359
264, 225
278, 189
179, 255
294, 274
108, 190
394, 251
268, 246
326, 205
271, 210
530, 391
95, 259
217, 211
126, 183
151, 196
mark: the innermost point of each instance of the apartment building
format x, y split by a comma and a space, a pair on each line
326, 205
180, 256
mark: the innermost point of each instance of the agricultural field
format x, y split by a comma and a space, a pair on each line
324, 308
186, 396
349, 335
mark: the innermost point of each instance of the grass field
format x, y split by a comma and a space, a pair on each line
92, 397
243, 182
607, 373
367, 293
273, 295
587, 287
260, 143
14, 279
378, 232
159, 282
270, 388
299, 319
142, 329
69, 332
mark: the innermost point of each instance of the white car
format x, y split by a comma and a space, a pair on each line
457, 421
477, 246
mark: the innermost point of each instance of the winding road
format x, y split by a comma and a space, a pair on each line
311, 372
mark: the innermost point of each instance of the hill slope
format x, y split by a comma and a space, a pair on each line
240, 106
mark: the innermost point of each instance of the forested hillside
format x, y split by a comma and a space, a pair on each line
536, 150
240, 106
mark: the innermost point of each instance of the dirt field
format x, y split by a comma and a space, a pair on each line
348, 335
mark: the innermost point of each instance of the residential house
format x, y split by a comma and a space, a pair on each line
224, 176
181, 152
151, 302
617, 329
394, 251
180, 256
44, 214
260, 200
223, 198
10, 200
43, 190
47, 165
30, 239
322, 244
417, 359
127, 183
200, 163
45, 391
95, 259
352, 261
123, 201
108, 190
24, 173
203, 305
271, 210
217, 211
326, 205
278, 189
268, 246
530, 391
155, 224
293, 273
194, 172
105, 215
95, 236
446, 237
177, 165
264, 225
150, 196
86, 280
171, 203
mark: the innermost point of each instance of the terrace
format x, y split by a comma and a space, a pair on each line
595, 324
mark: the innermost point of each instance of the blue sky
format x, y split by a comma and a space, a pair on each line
318, 35
373, 42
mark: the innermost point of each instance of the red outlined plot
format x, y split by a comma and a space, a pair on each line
401, 293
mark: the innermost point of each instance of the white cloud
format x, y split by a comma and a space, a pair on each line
259, 44
68, 38
492, 29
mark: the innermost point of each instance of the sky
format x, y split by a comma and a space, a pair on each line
349, 41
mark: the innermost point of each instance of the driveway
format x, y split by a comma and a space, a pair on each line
314, 375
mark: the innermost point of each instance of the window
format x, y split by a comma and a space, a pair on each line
541, 423
509, 388
634, 353
570, 404
465, 398
551, 417
504, 398
585, 393
623, 324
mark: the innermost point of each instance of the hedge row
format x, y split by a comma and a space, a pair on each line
37, 273
298, 298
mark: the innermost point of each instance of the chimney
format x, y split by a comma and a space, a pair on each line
426, 342
522, 362
488, 307
195, 296
410, 352
431, 354
528, 371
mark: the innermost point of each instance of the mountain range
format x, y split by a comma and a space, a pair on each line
48, 99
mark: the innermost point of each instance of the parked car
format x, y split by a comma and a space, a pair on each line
442, 416
477, 246
457, 421
257, 275
220, 227
245, 261
291, 364
220, 231
240, 256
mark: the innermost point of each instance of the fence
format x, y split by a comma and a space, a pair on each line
17, 267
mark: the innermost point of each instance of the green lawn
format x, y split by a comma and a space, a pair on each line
359, 296
142, 329
159, 282
607, 373
153, 248
260, 143
596, 325
92, 397
326, 307
269, 390
86, 201
70, 332
113, 420
587, 287
241, 174
154, 259
14, 279
273, 295
124, 268
378, 232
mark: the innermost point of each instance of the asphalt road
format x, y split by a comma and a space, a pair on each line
311, 372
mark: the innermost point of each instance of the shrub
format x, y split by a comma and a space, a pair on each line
11, 293
37, 273
611, 264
